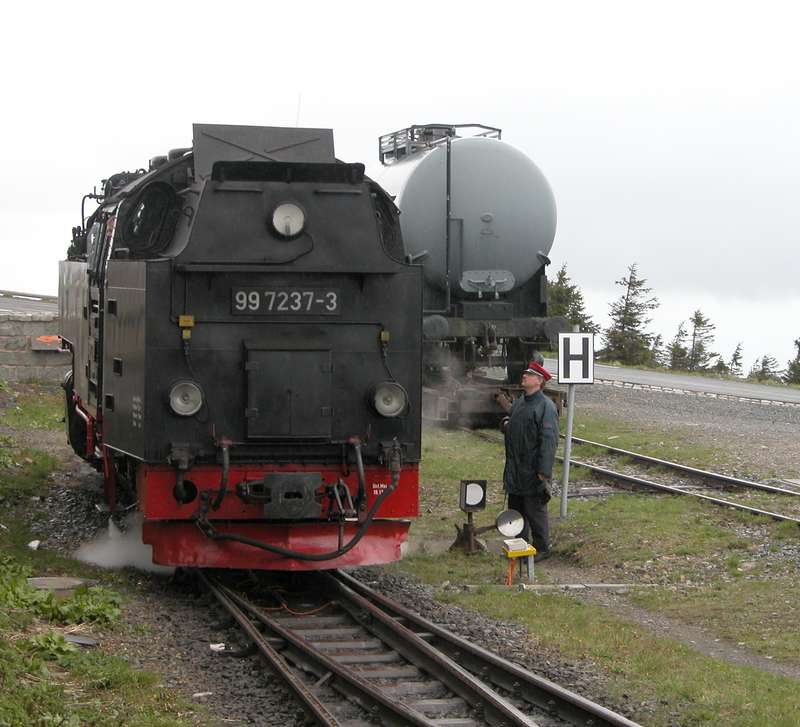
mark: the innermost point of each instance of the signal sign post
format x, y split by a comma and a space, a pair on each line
575, 366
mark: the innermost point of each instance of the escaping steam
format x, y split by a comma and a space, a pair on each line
118, 547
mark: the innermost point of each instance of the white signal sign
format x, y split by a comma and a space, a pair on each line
575, 358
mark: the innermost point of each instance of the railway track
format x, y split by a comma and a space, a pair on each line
705, 481
355, 657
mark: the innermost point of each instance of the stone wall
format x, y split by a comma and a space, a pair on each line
29, 348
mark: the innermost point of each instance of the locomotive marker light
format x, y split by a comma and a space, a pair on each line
575, 366
185, 398
390, 399
288, 220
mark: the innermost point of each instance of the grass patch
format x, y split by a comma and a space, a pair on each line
712, 573
676, 445
679, 685
46, 681
447, 458
35, 407
622, 532
761, 614
26, 472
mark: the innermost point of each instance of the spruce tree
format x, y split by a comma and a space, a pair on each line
792, 375
564, 298
764, 369
735, 366
627, 341
720, 367
701, 339
677, 351
659, 356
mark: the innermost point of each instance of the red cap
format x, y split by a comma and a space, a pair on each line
535, 368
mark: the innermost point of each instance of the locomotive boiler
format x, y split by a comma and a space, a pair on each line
480, 217
245, 330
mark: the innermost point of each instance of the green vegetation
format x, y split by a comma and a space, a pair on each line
677, 684
679, 445
44, 679
39, 407
703, 565
761, 614
96, 604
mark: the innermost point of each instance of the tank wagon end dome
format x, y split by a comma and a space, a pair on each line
503, 212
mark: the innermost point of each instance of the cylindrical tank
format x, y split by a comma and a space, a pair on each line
502, 213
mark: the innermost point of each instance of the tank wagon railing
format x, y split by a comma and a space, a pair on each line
401, 144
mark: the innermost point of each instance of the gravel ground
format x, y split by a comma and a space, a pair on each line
759, 439
169, 629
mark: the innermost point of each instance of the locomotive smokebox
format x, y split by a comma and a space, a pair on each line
486, 196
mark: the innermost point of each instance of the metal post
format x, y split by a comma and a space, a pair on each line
567, 449
567, 442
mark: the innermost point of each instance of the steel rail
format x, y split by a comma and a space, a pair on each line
311, 704
641, 482
727, 479
536, 690
346, 681
496, 710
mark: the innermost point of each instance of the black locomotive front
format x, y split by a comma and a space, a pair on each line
247, 352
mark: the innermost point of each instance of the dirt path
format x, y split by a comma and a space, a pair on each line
699, 639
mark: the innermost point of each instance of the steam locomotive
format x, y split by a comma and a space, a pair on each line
480, 217
245, 330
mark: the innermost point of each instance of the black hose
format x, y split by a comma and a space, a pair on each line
362, 480
208, 529
226, 469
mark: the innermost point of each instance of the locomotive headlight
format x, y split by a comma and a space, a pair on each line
185, 398
288, 219
389, 399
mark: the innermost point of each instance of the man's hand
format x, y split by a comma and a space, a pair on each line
502, 400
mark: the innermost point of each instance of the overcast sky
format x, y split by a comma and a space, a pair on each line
668, 131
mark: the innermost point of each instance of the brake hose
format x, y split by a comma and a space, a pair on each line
208, 529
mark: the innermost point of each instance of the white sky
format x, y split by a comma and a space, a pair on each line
669, 131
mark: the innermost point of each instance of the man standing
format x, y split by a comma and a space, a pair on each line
531, 432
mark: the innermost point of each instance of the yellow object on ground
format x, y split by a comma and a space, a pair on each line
512, 556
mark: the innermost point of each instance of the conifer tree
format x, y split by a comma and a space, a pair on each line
658, 354
720, 367
701, 339
792, 375
735, 366
564, 298
764, 369
627, 340
677, 351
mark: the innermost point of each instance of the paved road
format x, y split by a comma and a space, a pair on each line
692, 383
12, 302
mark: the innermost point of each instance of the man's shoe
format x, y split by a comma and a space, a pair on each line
543, 555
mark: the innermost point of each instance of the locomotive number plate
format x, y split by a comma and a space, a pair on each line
286, 301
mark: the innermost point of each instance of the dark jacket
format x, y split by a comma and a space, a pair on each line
531, 442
